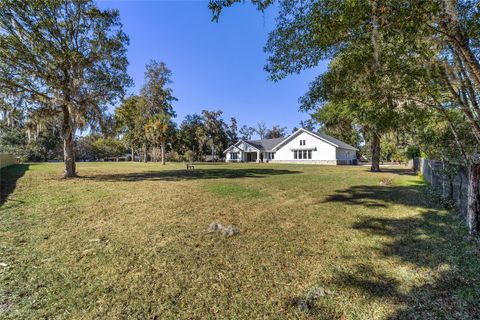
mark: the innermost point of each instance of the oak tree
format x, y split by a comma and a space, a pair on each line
65, 56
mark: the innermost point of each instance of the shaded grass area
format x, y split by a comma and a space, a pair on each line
179, 174
8, 180
129, 240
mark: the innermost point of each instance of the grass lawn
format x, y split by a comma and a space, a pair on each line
130, 240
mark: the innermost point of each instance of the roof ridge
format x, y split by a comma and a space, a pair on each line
268, 139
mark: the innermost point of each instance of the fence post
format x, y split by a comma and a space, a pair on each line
444, 193
473, 198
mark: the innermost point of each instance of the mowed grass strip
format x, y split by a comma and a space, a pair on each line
233, 190
130, 240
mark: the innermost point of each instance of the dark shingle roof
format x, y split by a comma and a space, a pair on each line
330, 139
339, 143
265, 144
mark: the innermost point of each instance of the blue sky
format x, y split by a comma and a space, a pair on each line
215, 65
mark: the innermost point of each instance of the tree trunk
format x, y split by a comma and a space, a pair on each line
163, 153
473, 199
145, 153
471, 61
375, 147
133, 154
460, 39
465, 108
213, 152
68, 145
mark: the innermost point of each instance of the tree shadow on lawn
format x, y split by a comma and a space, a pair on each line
178, 175
435, 242
382, 196
8, 180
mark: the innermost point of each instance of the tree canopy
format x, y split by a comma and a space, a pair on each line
392, 62
63, 57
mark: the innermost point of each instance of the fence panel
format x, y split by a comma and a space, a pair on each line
457, 189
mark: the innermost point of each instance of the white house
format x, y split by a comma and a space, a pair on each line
302, 146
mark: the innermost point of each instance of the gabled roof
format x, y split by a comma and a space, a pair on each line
260, 145
245, 141
273, 144
226, 150
328, 139
265, 144
340, 144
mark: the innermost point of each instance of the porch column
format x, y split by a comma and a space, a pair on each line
258, 156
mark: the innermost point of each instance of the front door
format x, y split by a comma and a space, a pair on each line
251, 157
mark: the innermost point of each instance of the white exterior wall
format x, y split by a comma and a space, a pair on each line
324, 151
234, 149
242, 148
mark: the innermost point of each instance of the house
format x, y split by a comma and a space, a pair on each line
302, 146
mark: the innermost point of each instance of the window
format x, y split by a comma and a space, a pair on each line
302, 142
301, 154
272, 155
233, 155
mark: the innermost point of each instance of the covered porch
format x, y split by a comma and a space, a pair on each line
246, 152
258, 156
252, 156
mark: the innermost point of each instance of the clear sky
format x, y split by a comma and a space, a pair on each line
215, 65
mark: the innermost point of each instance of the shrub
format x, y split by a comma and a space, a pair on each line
188, 156
173, 156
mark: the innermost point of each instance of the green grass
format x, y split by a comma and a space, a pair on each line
130, 240
232, 190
